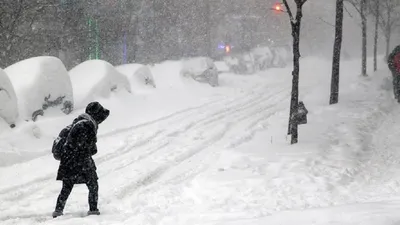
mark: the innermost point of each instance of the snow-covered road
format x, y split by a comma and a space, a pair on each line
226, 160
135, 162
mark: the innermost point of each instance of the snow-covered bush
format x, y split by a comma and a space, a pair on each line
96, 78
201, 69
139, 75
8, 100
40, 83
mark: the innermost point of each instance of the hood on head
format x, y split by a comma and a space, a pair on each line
97, 112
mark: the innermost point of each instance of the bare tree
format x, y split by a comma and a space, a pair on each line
295, 22
18, 26
361, 7
376, 36
389, 15
337, 47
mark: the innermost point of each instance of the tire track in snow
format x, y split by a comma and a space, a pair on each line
262, 117
171, 116
258, 116
184, 125
163, 141
205, 122
154, 175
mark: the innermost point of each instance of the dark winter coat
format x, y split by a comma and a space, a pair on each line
77, 164
394, 61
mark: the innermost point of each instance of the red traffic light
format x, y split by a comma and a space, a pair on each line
278, 7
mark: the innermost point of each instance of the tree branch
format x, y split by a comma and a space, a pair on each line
289, 11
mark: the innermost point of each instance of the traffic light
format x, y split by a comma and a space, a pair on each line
278, 7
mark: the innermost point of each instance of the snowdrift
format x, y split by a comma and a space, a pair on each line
96, 78
200, 69
139, 76
8, 100
40, 83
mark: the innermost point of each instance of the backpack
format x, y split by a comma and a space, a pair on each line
58, 143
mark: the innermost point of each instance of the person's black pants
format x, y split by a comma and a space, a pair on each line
93, 187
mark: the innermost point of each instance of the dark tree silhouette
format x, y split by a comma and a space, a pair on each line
295, 23
337, 47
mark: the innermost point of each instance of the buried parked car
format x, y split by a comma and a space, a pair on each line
8, 100
139, 76
94, 79
241, 63
40, 83
200, 69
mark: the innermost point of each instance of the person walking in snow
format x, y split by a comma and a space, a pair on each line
76, 163
394, 66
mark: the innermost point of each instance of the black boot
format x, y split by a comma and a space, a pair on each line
57, 214
93, 212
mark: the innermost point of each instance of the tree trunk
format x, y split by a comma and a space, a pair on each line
296, 25
337, 47
364, 38
387, 45
388, 34
376, 37
135, 39
295, 79
208, 28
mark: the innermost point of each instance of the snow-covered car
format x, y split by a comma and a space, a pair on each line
263, 58
8, 100
201, 69
241, 63
94, 79
39, 83
139, 75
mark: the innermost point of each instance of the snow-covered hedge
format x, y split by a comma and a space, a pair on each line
139, 75
8, 100
96, 78
40, 83
201, 69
